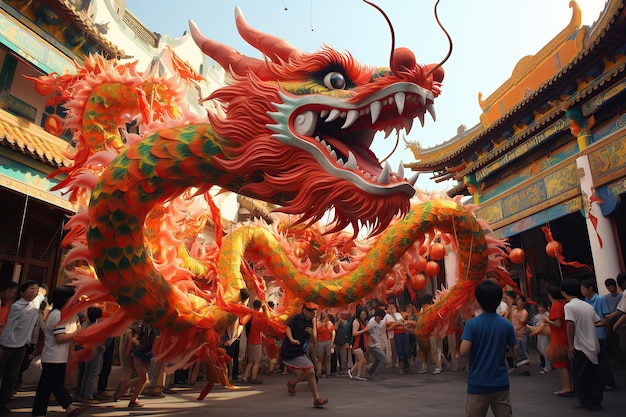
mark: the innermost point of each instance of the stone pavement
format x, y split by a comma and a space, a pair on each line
393, 395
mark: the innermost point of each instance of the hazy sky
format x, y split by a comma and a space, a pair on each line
489, 38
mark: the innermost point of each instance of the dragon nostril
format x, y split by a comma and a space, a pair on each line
403, 60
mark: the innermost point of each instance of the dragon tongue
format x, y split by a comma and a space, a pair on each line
365, 158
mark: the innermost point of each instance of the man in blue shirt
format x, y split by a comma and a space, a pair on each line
485, 341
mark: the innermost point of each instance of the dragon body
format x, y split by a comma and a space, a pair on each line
293, 129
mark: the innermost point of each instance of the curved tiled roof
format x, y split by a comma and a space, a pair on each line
31, 140
596, 35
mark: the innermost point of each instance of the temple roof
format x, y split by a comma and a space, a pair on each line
31, 140
48, 12
525, 103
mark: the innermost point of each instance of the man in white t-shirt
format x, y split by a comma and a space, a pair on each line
581, 321
376, 343
23, 316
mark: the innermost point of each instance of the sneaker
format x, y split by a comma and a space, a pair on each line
544, 371
437, 371
423, 371
255, 381
401, 372
350, 374
360, 378
525, 373
522, 363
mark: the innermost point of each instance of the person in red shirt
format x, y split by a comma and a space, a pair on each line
8, 291
255, 325
325, 343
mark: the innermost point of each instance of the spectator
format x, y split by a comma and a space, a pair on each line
410, 321
128, 341
18, 330
360, 332
519, 318
376, 343
618, 317
484, 341
35, 344
325, 344
599, 304
343, 339
581, 321
612, 341
90, 369
255, 325
300, 329
8, 291
57, 339
142, 356
395, 322
105, 370
557, 351
541, 331
613, 297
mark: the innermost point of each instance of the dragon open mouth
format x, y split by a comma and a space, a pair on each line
339, 133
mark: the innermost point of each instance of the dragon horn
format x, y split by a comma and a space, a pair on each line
229, 58
271, 46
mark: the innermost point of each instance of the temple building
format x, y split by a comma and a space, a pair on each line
547, 161
40, 37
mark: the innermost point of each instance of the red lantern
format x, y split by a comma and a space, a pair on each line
437, 251
432, 268
517, 255
418, 282
53, 125
417, 265
554, 249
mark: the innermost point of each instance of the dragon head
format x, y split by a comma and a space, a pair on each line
296, 128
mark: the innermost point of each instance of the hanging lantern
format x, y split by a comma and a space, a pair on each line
53, 125
432, 268
417, 265
418, 282
554, 249
517, 255
437, 251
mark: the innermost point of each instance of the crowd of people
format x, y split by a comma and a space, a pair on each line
578, 333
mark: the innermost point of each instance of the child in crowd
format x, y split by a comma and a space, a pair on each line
541, 330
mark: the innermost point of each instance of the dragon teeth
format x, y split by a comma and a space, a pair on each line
375, 109
351, 117
334, 114
385, 177
431, 109
351, 163
399, 98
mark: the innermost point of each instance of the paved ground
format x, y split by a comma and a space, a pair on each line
393, 395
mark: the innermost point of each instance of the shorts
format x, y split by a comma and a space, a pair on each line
255, 353
323, 348
436, 344
357, 351
299, 362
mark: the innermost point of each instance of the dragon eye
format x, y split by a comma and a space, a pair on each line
335, 81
